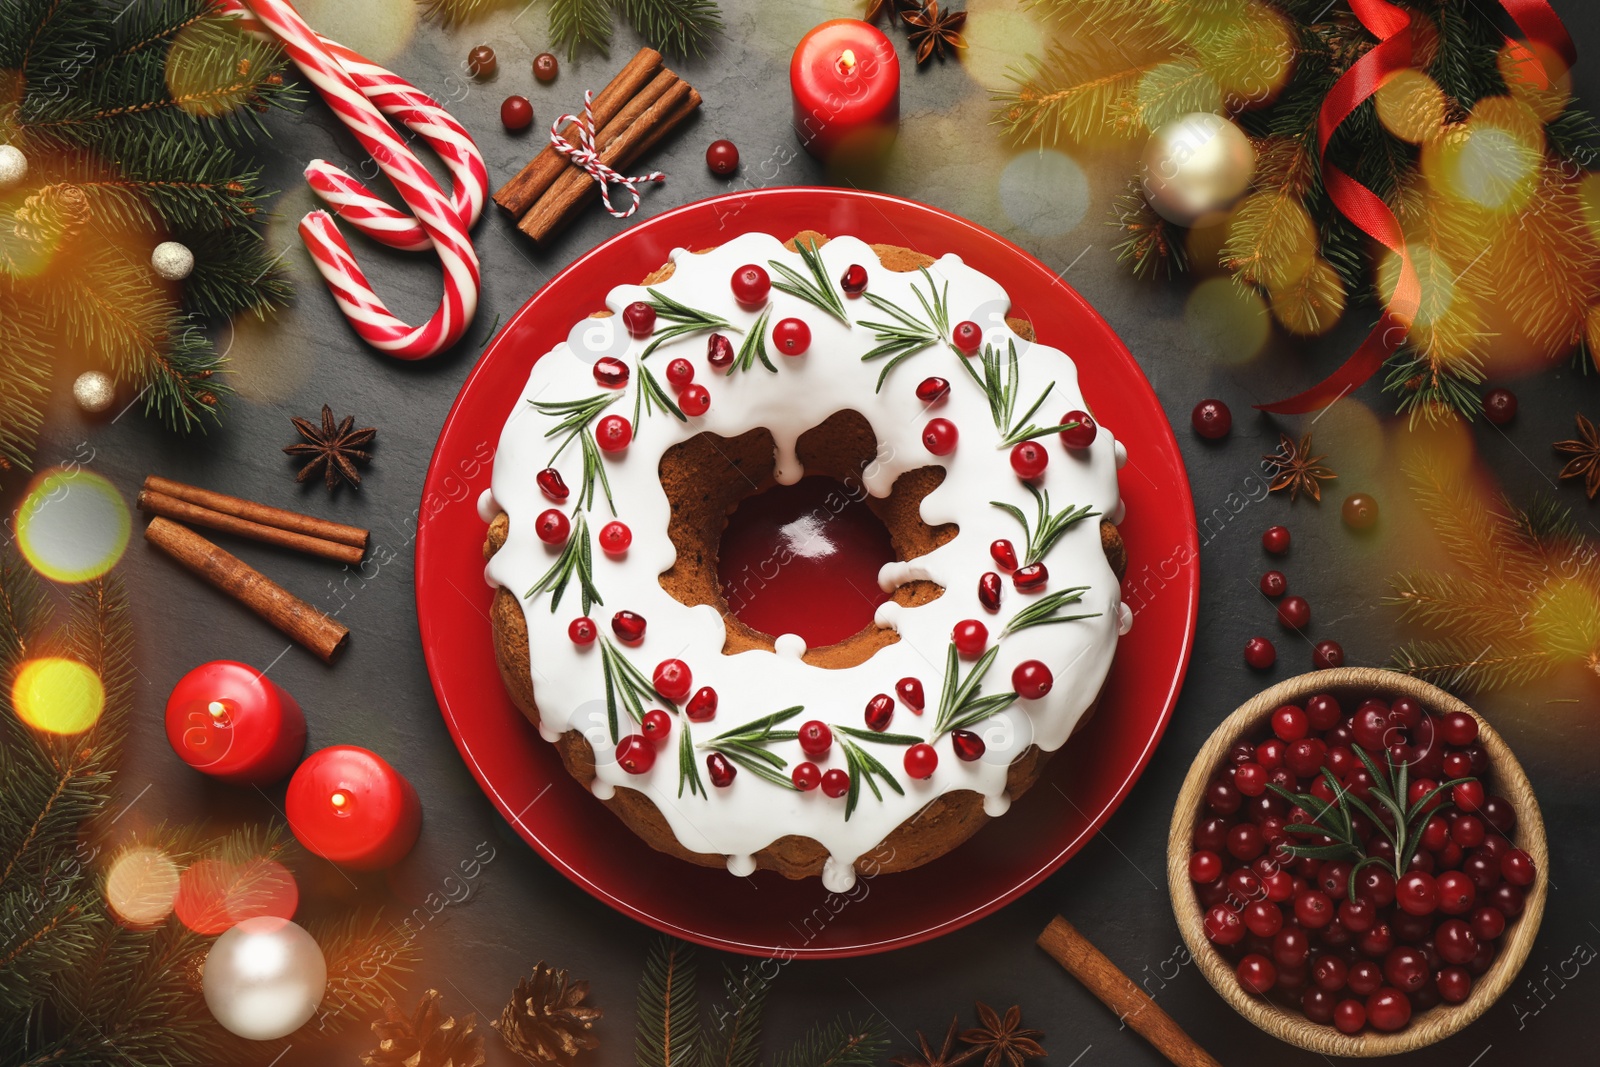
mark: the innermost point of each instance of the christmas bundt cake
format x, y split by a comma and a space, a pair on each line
754, 363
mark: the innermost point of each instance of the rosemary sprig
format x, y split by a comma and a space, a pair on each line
577, 557
1336, 820
747, 745
688, 770
999, 384
864, 767
882, 739
1042, 612
576, 418
754, 346
907, 335
625, 684
962, 703
650, 397
1048, 526
818, 290
684, 320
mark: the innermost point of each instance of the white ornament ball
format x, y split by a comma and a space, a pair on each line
172, 261
13, 165
94, 392
1196, 165
264, 978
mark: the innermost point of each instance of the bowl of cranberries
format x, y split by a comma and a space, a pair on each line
1357, 862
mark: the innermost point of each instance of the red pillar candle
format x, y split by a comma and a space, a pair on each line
846, 82
228, 720
348, 805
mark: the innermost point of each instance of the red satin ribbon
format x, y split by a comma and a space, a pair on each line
1391, 25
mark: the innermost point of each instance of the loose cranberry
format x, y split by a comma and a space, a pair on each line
1031, 679
1004, 554
921, 761
1488, 924
640, 318
680, 372
635, 754
910, 693
719, 351
1359, 511
1029, 460
545, 67
1500, 406
967, 337
1259, 653
1289, 723
807, 776
656, 725
968, 747
1081, 429
970, 636
1468, 796
880, 711
1274, 584
1031, 578
1326, 655
1516, 867
1317, 1004
1250, 779
1257, 974
792, 336
552, 527
613, 433
583, 631
1294, 612
1291, 948
1457, 894
1350, 1016
628, 625
939, 437
481, 62
1454, 940
854, 280
1454, 984
702, 707
1223, 925
1211, 419
720, 770
989, 591
551, 484
1313, 910
836, 782
1262, 918
1245, 842
815, 738
932, 390
610, 373
1276, 540
722, 157
1357, 915
751, 285
672, 679
1388, 1010
1329, 973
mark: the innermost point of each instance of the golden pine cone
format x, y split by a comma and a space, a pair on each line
547, 1020
426, 1038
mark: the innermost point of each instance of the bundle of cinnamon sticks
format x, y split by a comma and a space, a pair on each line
173, 503
640, 106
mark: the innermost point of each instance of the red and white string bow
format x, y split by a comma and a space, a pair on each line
584, 155
361, 93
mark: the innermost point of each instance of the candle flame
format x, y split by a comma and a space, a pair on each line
847, 61
339, 800
218, 710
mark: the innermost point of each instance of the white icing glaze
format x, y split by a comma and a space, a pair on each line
740, 820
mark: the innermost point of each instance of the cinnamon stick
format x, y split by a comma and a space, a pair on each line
575, 187
278, 518
181, 510
1119, 993
250, 587
518, 194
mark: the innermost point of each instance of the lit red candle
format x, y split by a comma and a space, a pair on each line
845, 77
230, 721
349, 805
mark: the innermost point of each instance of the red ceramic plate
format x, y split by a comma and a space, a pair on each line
768, 915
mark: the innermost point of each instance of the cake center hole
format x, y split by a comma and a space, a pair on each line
804, 559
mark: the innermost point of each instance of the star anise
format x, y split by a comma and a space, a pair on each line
896, 8
1585, 452
932, 31
1294, 468
945, 1057
1002, 1040
333, 451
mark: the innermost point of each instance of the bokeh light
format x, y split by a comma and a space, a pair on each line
1251, 56
57, 695
379, 29
141, 886
1536, 76
215, 894
996, 33
1044, 192
1312, 303
1493, 158
1228, 320
1171, 90
1411, 105
72, 526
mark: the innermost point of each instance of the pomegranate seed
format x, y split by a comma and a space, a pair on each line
968, 747
720, 770
854, 280
719, 351
628, 626
672, 680
1029, 578
551, 484
910, 692
552, 527
702, 707
921, 761
989, 591
610, 373
880, 711
640, 318
1004, 554
932, 390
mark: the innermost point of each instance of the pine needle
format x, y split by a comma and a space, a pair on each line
668, 1007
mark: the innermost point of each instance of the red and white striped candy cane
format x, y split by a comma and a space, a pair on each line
440, 219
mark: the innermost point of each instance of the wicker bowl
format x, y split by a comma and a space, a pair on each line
1435, 1024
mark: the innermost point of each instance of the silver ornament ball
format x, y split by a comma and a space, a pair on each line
13, 165
1196, 165
172, 261
94, 392
264, 978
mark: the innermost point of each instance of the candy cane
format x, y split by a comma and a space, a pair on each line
441, 220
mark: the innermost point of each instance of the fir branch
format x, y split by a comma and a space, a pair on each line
754, 346
1079, 89
961, 701
1150, 245
817, 290
1432, 390
842, 1043
576, 558
1048, 526
627, 684
668, 1011
26, 352
685, 320
677, 27
734, 1038
864, 767
1046, 611
578, 23
367, 958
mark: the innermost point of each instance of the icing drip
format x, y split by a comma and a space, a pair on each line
739, 820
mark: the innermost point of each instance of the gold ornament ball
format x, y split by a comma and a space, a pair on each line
172, 260
13, 165
94, 392
1196, 165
